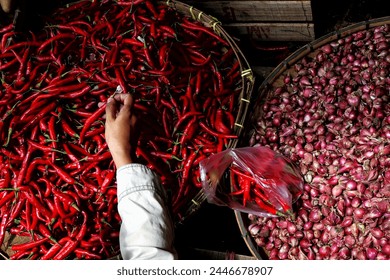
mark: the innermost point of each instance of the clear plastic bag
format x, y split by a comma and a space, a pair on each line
254, 180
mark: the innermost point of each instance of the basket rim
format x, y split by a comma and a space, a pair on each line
319, 42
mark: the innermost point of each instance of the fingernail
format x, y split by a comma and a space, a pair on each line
109, 99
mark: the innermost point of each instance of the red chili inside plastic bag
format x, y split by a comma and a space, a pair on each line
261, 181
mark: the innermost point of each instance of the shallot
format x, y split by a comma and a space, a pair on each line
331, 115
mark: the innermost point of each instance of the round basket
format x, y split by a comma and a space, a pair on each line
274, 80
247, 84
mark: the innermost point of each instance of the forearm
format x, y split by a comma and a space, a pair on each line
147, 230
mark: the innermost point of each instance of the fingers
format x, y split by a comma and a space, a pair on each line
122, 102
125, 99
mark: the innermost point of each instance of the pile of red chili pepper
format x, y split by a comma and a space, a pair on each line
255, 180
57, 179
265, 195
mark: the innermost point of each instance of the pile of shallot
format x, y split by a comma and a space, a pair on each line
332, 117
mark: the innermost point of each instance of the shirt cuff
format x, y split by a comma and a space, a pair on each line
136, 177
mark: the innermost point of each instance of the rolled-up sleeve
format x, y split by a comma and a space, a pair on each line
147, 230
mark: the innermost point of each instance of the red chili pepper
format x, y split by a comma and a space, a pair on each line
189, 131
63, 174
66, 199
71, 245
78, 93
58, 37
198, 27
220, 121
246, 186
3, 224
109, 176
188, 165
43, 147
164, 155
29, 245
10, 195
94, 117
33, 200
268, 208
55, 248
16, 210
36, 118
83, 253
216, 134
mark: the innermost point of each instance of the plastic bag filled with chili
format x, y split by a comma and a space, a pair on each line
253, 180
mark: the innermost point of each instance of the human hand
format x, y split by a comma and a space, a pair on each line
120, 129
6, 5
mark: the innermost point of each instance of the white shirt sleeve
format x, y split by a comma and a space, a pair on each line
147, 230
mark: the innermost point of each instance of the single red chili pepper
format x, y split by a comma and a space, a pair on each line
3, 224
35, 216
165, 155
216, 134
77, 93
109, 176
10, 195
29, 245
148, 57
268, 208
73, 28
246, 186
219, 123
16, 210
241, 173
83, 253
43, 147
187, 167
198, 27
94, 117
189, 131
63, 174
168, 31
58, 37
94, 131
106, 155
78, 149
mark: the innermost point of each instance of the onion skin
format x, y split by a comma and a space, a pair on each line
335, 125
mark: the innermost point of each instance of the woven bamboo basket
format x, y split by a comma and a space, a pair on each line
274, 80
247, 85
